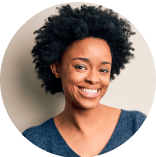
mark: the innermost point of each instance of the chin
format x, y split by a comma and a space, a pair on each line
87, 104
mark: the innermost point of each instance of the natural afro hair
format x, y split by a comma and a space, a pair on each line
61, 30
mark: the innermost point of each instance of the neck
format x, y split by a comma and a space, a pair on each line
83, 120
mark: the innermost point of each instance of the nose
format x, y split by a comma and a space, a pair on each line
92, 77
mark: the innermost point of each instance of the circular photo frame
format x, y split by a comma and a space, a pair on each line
28, 105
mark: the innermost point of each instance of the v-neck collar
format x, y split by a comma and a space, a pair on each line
70, 152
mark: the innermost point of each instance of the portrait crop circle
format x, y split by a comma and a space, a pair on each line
27, 104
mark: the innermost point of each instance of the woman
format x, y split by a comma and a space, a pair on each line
78, 52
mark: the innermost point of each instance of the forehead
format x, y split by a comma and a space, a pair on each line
91, 48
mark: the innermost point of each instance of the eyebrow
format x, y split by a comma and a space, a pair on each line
86, 59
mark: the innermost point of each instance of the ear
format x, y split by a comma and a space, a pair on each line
55, 68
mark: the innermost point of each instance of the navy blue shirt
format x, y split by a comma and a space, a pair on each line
47, 137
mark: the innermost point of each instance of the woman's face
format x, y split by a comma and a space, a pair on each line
85, 72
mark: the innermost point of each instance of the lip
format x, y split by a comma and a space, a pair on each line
89, 95
89, 87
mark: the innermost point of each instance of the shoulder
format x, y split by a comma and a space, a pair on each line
132, 119
130, 122
39, 135
40, 129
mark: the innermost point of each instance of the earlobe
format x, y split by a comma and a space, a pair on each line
55, 68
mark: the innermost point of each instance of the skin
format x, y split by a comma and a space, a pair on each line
85, 124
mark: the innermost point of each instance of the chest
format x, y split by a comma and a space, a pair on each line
91, 144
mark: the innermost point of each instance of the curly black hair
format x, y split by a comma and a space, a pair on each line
61, 30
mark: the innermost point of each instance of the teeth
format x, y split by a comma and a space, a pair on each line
88, 91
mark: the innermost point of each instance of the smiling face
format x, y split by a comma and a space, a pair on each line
85, 72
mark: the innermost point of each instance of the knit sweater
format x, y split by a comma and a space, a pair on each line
47, 137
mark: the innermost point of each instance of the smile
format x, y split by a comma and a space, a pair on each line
88, 92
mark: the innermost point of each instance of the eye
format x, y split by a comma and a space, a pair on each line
80, 67
104, 70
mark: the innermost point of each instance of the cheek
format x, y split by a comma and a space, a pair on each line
72, 78
77, 77
105, 82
